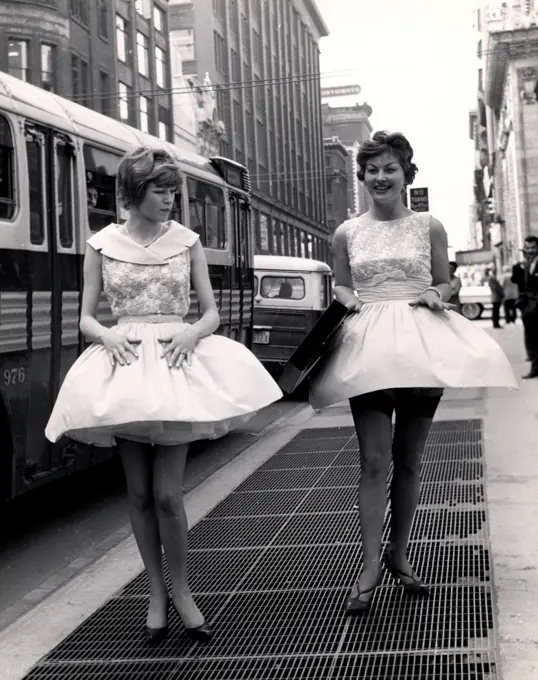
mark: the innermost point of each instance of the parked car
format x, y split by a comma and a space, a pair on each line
474, 300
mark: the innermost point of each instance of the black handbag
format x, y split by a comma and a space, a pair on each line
313, 348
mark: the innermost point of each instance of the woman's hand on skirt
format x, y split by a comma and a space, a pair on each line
353, 305
432, 301
119, 348
179, 347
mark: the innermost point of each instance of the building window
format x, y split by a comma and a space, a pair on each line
234, 17
104, 82
121, 38
78, 9
48, 67
264, 234
142, 53
18, 59
219, 9
79, 80
164, 124
220, 55
158, 18
102, 19
139, 6
124, 102
257, 47
144, 113
236, 68
160, 67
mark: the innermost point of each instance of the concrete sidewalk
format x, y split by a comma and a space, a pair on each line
510, 420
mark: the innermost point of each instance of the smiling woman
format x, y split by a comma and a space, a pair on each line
396, 351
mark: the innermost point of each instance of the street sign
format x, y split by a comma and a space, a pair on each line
342, 91
419, 200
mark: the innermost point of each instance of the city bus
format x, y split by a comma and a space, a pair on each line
58, 162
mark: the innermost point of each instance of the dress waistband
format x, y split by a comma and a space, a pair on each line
151, 318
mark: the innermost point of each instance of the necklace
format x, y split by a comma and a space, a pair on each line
144, 245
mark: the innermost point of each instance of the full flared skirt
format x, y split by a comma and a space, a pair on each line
149, 402
390, 344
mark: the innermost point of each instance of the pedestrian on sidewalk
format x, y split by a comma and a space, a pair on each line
396, 351
455, 285
511, 293
525, 276
497, 296
153, 383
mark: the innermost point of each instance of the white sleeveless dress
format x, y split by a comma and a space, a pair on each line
389, 344
147, 401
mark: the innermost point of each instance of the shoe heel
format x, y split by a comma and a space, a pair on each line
201, 633
155, 635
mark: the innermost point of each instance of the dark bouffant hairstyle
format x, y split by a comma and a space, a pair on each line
454, 265
142, 166
393, 142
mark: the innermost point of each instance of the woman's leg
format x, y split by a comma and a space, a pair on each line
137, 462
168, 472
372, 415
414, 415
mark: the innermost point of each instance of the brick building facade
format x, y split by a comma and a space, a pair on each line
262, 56
109, 55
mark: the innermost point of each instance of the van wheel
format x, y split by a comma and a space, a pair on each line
472, 310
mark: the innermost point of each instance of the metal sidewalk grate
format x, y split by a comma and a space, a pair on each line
271, 567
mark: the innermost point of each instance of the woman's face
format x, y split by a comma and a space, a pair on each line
157, 203
384, 178
451, 269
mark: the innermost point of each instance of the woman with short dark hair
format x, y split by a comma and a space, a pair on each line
396, 352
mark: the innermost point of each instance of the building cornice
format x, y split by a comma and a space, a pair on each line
317, 18
504, 46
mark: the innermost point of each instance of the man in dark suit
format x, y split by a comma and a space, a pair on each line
525, 276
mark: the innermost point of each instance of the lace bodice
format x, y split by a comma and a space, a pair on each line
389, 260
138, 281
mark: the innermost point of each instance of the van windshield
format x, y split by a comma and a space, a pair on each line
283, 287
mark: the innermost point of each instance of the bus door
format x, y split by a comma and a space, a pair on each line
243, 272
56, 285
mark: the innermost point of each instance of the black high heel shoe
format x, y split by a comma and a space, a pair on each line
201, 633
354, 606
411, 583
156, 635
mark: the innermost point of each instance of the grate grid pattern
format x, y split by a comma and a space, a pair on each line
272, 564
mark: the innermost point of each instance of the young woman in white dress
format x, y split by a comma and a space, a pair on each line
396, 352
154, 383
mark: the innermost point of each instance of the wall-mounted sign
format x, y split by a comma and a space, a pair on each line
342, 91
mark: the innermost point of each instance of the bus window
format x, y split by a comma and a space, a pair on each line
64, 192
101, 168
207, 213
35, 154
7, 171
177, 210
